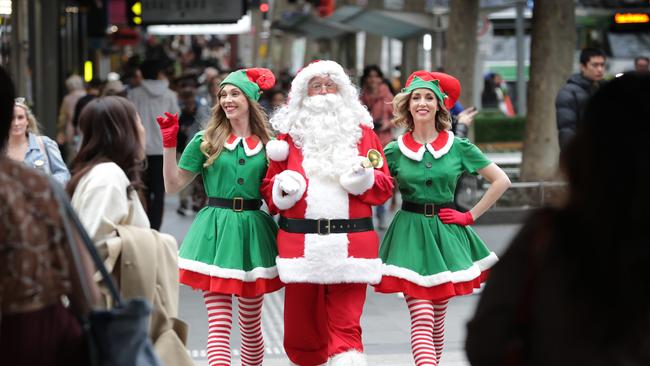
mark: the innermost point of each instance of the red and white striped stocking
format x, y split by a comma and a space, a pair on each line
422, 324
439, 312
250, 326
219, 308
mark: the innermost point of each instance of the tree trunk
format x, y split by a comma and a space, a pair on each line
551, 59
461, 45
373, 44
281, 42
410, 60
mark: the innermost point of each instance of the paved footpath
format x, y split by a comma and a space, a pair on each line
385, 319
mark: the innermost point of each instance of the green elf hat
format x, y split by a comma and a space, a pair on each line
251, 81
444, 86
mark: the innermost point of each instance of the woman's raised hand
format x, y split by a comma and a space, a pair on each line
169, 129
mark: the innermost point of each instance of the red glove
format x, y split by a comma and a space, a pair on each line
451, 216
169, 129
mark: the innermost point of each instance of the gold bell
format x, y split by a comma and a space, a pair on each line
373, 160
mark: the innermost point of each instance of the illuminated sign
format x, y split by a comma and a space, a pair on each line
631, 18
88, 71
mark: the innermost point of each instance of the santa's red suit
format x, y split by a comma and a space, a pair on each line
326, 273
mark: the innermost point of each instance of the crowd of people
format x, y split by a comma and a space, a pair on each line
329, 154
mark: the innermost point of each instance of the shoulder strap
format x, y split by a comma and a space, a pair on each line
44, 151
68, 214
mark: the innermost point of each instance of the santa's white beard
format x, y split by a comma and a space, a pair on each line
328, 133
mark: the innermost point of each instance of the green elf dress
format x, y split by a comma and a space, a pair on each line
228, 250
423, 257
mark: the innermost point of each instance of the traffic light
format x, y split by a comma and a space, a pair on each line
134, 12
264, 9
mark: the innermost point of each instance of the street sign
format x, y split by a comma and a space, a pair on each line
191, 11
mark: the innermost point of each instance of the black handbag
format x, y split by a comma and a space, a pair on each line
117, 336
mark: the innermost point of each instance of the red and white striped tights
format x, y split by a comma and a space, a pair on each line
427, 330
219, 308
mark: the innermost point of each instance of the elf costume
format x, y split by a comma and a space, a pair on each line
423, 257
230, 247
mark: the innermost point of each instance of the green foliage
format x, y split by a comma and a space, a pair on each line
493, 126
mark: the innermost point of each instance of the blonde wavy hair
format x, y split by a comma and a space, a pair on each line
32, 124
219, 128
402, 115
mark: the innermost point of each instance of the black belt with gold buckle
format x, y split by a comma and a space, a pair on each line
236, 204
426, 209
325, 226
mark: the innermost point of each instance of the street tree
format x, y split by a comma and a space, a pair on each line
551, 60
462, 44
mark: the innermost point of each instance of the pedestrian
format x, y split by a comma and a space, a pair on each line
65, 130
106, 183
429, 252
276, 99
194, 114
327, 245
230, 247
152, 98
573, 96
572, 288
106, 190
36, 268
641, 64
26, 144
377, 96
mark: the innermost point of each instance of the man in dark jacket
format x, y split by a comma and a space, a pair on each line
573, 97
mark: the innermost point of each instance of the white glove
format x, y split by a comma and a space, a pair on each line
288, 188
288, 184
358, 179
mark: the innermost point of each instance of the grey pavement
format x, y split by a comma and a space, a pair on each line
385, 321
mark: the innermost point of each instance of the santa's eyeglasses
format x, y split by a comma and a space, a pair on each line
330, 86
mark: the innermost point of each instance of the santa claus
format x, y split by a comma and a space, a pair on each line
326, 172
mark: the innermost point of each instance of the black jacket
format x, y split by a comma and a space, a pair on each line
570, 104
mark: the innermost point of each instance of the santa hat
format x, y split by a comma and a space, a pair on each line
444, 86
318, 68
251, 81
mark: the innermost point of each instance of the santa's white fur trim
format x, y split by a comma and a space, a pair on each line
348, 270
357, 183
326, 199
413, 155
349, 358
445, 149
465, 275
326, 257
277, 150
285, 201
237, 274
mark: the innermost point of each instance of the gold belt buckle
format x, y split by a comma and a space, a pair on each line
429, 209
241, 204
320, 232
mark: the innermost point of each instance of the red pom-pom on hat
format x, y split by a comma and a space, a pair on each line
264, 78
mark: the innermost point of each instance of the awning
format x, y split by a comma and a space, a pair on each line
393, 24
310, 26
